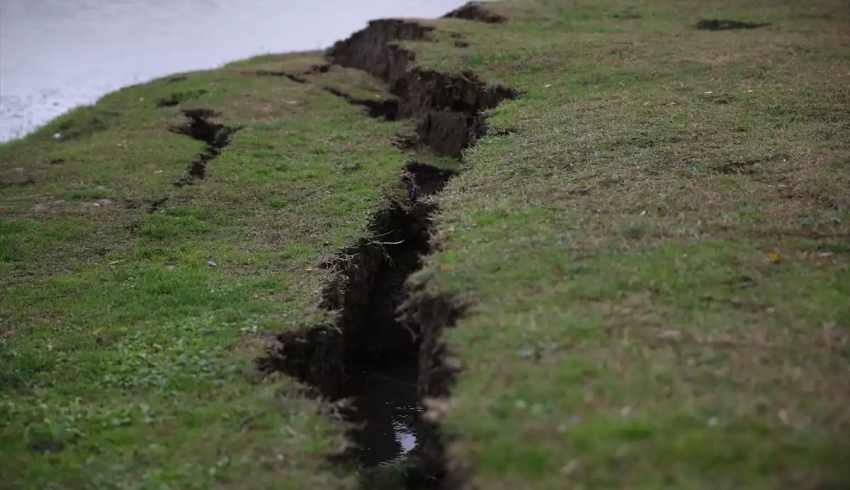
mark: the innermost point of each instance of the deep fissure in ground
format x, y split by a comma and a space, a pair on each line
383, 350
371, 354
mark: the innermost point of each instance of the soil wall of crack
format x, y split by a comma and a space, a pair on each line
448, 107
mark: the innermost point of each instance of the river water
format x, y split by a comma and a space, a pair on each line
59, 54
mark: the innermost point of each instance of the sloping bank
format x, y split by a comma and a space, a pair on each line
643, 263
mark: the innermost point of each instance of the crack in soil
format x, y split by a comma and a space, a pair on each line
726, 25
378, 109
383, 350
372, 355
200, 127
448, 107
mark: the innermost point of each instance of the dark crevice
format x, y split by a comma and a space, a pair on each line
422, 180
274, 73
476, 12
199, 126
371, 354
448, 132
379, 109
383, 350
375, 51
726, 25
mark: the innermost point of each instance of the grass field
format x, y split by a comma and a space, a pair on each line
652, 248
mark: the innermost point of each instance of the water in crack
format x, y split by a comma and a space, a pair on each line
386, 403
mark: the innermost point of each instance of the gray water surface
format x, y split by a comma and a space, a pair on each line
59, 54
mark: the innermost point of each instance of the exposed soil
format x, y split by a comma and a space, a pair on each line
476, 12
448, 107
448, 132
726, 25
372, 49
422, 180
199, 126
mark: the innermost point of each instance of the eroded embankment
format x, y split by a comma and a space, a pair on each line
383, 349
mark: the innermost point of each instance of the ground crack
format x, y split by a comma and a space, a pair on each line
448, 107
726, 25
371, 354
199, 126
379, 108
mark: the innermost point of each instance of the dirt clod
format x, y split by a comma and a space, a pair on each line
368, 340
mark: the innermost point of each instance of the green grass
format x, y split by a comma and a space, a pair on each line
657, 297
653, 250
